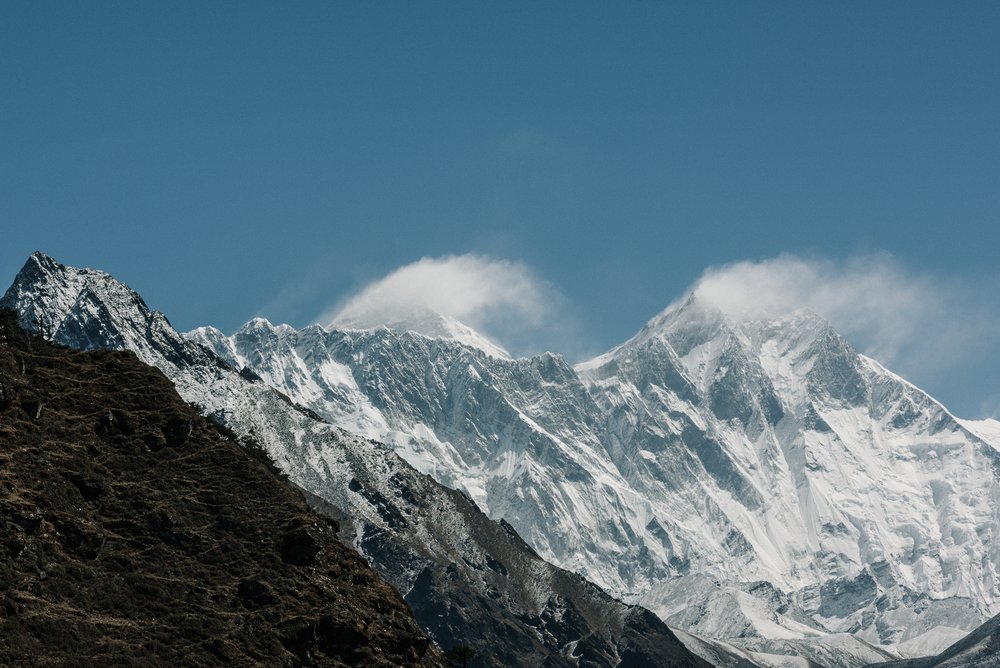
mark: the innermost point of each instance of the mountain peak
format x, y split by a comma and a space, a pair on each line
42, 260
426, 322
89, 309
262, 324
45, 291
696, 319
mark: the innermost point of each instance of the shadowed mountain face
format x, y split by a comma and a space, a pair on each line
136, 533
471, 581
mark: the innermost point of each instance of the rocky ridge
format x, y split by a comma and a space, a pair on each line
136, 533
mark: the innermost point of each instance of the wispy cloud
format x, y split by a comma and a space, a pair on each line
916, 322
503, 300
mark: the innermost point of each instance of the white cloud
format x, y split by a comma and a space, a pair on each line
503, 300
917, 323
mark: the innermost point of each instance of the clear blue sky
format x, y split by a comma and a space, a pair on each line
230, 159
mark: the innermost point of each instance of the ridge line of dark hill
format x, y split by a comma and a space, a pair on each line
135, 533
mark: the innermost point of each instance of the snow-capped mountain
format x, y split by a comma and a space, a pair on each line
424, 321
505, 432
742, 450
757, 483
470, 580
838, 481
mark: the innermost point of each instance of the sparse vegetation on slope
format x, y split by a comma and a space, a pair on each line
136, 533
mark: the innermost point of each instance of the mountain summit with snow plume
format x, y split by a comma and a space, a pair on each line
751, 478
709, 453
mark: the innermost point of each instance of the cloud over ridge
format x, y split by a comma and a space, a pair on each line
937, 332
913, 321
503, 299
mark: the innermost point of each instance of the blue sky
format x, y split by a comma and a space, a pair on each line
229, 160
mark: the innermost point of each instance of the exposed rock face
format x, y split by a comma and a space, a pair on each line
117, 553
472, 582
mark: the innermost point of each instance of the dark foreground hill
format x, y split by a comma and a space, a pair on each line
135, 533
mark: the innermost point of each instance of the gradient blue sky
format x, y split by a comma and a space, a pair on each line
234, 159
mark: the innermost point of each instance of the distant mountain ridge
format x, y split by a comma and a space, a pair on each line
759, 450
428, 323
470, 581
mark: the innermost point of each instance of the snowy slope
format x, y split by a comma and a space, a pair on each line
979, 649
470, 580
746, 451
839, 482
988, 430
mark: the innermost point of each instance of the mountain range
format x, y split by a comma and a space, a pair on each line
758, 484
705, 455
471, 582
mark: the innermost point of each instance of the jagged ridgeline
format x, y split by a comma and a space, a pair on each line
755, 481
472, 582
136, 533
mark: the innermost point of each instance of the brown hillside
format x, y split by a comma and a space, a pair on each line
135, 533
